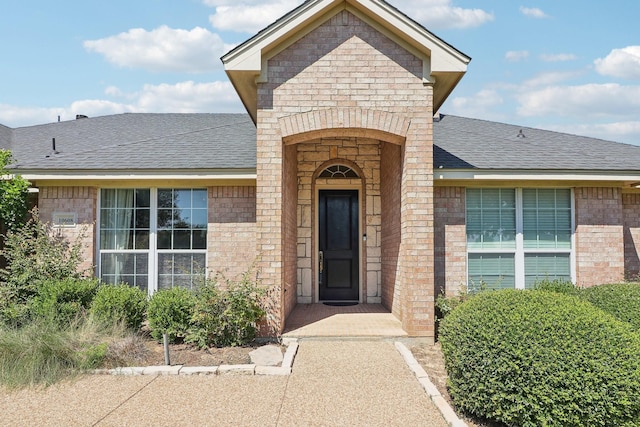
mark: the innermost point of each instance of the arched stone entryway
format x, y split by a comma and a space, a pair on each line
316, 140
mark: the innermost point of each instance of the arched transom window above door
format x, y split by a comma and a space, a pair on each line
338, 171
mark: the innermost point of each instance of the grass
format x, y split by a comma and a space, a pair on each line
42, 353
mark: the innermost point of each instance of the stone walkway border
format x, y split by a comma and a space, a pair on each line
443, 406
248, 369
285, 369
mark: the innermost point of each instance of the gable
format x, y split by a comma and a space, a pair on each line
342, 60
246, 65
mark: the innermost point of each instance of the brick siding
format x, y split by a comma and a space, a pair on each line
79, 200
631, 212
600, 255
450, 240
390, 173
350, 86
231, 230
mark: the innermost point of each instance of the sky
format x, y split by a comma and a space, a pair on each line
570, 66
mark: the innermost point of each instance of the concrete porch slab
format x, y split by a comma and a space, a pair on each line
357, 321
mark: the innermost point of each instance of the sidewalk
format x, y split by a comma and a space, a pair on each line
333, 383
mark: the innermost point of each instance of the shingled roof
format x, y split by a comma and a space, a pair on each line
141, 142
463, 143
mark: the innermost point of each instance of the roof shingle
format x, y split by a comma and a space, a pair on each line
463, 143
139, 142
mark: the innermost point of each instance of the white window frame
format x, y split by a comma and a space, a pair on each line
520, 251
153, 250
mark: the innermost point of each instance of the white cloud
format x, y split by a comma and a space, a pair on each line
623, 63
189, 97
184, 97
549, 78
558, 57
14, 116
162, 49
533, 12
516, 55
251, 16
585, 101
478, 105
614, 131
442, 14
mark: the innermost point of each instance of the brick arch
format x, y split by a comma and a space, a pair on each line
344, 122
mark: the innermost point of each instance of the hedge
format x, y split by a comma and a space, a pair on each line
621, 300
541, 358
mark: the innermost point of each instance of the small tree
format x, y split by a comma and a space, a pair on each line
13, 195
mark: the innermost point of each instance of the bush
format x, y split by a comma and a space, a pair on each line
622, 301
170, 311
541, 358
34, 254
120, 303
557, 285
63, 300
13, 195
37, 252
227, 313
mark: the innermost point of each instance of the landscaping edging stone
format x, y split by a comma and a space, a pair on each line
248, 369
436, 397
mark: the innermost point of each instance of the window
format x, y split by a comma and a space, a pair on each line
338, 171
153, 238
518, 236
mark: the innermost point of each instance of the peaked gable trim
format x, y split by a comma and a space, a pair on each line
246, 65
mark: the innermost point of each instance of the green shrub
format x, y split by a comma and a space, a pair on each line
170, 311
37, 253
120, 303
63, 300
557, 285
541, 358
34, 254
621, 300
227, 313
13, 194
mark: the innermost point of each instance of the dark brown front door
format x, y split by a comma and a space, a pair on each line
338, 257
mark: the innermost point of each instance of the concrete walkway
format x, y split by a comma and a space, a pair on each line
333, 383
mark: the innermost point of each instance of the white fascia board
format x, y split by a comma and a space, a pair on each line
444, 58
535, 175
137, 175
248, 57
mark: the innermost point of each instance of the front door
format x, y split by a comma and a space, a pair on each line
338, 264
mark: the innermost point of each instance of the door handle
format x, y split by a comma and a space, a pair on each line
321, 261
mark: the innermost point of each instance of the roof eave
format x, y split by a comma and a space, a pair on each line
133, 175
627, 177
